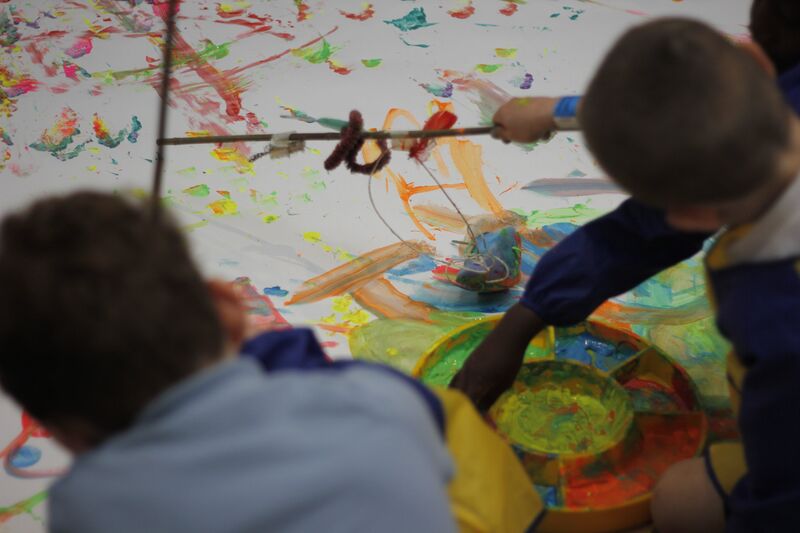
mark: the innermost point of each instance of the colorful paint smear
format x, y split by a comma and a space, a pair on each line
105, 137
16, 84
25, 506
507, 53
81, 47
224, 206
8, 31
463, 13
303, 12
59, 137
413, 20
441, 91
72, 71
525, 82
559, 408
198, 191
366, 13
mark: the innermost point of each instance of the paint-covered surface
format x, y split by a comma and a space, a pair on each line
78, 98
593, 437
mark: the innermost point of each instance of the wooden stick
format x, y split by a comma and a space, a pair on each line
325, 136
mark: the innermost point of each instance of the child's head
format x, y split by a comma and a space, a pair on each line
101, 309
775, 25
686, 121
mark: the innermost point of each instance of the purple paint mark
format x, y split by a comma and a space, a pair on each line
527, 81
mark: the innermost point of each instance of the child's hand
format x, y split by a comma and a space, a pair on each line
525, 120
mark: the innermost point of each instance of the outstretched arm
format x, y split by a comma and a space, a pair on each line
602, 259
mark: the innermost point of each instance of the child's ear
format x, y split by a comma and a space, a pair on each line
231, 309
754, 49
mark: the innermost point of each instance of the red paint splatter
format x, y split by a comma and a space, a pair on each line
510, 9
441, 120
161, 8
228, 14
366, 14
257, 24
463, 13
632, 469
339, 69
37, 430
302, 10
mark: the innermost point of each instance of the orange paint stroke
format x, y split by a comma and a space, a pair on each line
383, 299
467, 156
354, 274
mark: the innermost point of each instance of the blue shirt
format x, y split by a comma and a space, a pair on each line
236, 449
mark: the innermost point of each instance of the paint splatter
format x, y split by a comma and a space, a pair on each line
16, 84
572, 13
302, 10
269, 219
224, 206
81, 47
488, 68
5, 137
199, 191
525, 82
275, 291
508, 53
510, 9
367, 13
26, 456
105, 138
371, 63
413, 20
416, 45
8, 31
312, 236
72, 71
441, 91
242, 164
464, 13
57, 139
25, 506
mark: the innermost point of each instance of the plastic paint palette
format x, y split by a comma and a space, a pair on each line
595, 415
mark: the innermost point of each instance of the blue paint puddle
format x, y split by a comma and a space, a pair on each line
549, 495
275, 291
593, 351
26, 456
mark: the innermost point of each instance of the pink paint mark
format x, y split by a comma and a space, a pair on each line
510, 9
463, 13
329, 344
81, 47
366, 14
161, 8
37, 57
636, 12
23, 86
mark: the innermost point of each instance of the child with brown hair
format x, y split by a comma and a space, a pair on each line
695, 130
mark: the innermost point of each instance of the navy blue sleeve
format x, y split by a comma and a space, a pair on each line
605, 258
760, 312
298, 349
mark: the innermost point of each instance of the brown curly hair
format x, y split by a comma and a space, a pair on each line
101, 309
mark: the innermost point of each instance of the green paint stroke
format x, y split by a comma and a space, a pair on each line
371, 63
488, 68
199, 191
505, 52
414, 20
575, 214
25, 506
316, 53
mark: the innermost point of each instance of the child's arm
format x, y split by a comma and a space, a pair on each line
602, 259
533, 119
